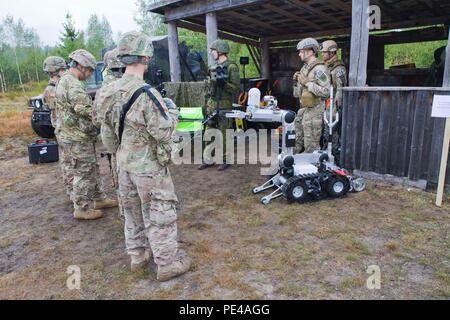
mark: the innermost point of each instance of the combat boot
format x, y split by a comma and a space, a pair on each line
181, 264
223, 167
140, 262
205, 166
106, 204
87, 215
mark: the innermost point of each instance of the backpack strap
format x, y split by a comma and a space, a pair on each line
126, 108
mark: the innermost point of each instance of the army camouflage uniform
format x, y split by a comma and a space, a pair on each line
77, 135
228, 95
64, 155
309, 120
111, 62
145, 183
338, 74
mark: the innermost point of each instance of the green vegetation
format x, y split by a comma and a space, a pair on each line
422, 54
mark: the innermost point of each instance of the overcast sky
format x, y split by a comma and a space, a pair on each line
47, 16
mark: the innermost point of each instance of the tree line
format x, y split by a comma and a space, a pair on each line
22, 52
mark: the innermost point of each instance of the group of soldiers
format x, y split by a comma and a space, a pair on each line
137, 126
312, 86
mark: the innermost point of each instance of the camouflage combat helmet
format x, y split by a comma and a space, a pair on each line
329, 46
54, 64
84, 58
308, 43
112, 60
220, 46
135, 44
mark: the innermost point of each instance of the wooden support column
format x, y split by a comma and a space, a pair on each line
174, 52
446, 143
265, 59
359, 43
212, 32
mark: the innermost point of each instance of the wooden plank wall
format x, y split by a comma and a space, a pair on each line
390, 131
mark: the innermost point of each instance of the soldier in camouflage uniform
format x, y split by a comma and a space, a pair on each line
77, 134
338, 74
55, 68
312, 87
114, 71
225, 87
145, 183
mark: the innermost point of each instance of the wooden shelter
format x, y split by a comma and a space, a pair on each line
385, 130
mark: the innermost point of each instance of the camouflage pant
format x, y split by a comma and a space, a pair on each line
65, 162
222, 124
150, 214
86, 174
309, 126
115, 180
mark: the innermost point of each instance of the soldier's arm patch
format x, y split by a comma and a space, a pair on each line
321, 76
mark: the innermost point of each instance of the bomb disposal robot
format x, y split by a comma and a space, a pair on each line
300, 176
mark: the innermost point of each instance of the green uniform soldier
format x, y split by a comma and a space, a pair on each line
55, 68
338, 74
143, 138
77, 134
312, 87
114, 71
224, 87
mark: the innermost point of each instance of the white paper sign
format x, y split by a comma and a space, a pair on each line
441, 107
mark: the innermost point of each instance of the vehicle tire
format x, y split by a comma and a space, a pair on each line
337, 187
295, 190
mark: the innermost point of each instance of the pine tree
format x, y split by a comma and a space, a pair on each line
71, 39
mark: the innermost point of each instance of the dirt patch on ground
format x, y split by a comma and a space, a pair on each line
242, 250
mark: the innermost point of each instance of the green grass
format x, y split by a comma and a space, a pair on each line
29, 90
422, 54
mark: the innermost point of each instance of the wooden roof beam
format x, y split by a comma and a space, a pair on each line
292, 16
204, 6
222, 35
317, 12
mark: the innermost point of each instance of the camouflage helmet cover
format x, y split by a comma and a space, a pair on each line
84, 58
135, 44
308, 43
220, 46
54, 64
329, 46
112, 60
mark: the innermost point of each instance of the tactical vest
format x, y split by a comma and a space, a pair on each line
225, 95
309, 99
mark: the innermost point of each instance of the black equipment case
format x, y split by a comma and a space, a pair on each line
43, 151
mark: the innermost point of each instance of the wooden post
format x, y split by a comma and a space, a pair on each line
444, 159
174, 53
212, 32
359, 43
265, 59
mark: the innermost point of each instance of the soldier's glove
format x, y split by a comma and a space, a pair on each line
296, 76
